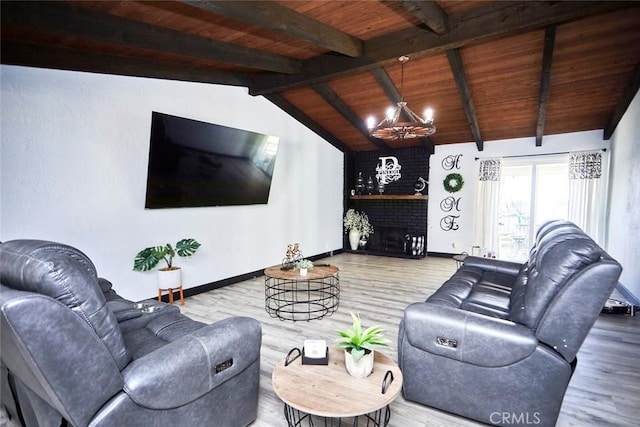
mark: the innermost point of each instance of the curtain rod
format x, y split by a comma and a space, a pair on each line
532, 155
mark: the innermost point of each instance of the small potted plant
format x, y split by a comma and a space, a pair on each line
169, 277
303, 265
359, 345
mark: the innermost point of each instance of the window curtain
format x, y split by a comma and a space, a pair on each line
587, 192
487, 205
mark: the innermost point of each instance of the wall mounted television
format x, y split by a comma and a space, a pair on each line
197, 164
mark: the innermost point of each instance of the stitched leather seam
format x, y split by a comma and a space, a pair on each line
210, 369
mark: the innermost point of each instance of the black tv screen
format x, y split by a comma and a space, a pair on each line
194, 164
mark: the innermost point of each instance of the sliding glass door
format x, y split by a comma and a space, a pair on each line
531, 192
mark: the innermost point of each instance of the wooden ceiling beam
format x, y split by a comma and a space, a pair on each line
547, 60
341, 107
69, 20
618, 112
307, 121
383, 79
385, 82
429, 13
496, 19
457, 67
32, 55
275, 17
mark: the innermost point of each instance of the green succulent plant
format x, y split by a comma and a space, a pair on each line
357, 342
303, 263
149, 257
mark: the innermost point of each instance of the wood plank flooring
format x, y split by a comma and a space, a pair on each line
604, 391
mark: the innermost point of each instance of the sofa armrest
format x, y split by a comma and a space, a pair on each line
467, 336
495, 265
56, 354
183, 370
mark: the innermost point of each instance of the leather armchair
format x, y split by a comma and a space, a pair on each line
74, 351
498, 341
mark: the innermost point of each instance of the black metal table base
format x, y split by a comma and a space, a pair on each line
300, 299
296, 418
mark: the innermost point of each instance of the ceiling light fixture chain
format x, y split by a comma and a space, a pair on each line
391, 128
402, 60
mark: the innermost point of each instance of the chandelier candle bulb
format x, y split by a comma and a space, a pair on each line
371, 122
391, 112
428, 115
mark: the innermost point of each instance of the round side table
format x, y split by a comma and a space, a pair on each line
328, 391
292, 296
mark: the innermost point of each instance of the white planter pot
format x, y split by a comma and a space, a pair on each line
303, 271
354, 239
169, 279
361, 368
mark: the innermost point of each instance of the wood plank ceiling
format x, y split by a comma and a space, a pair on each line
490, 70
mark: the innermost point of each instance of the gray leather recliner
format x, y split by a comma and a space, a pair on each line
76, 353
497, 342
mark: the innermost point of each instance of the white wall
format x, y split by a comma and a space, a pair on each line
74, 162
461, 240
623, 228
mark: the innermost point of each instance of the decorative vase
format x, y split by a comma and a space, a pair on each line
354, 238
369, 185
169, 279
303, 271
360, 183
361, 368
363, 243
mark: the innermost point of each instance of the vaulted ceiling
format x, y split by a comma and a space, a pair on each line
490, 70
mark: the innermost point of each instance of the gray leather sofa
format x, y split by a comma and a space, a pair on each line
76, 353
497, 342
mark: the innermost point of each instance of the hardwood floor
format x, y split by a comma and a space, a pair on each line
604, 391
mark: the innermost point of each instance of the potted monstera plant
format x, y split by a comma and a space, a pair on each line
169, 277
359, 345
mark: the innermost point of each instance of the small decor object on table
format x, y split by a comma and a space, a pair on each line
315, 352
293, 254
304, 265
359, 347
358, 226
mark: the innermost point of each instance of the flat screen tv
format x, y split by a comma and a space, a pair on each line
195, 164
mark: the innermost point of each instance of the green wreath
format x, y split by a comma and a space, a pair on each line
453, 182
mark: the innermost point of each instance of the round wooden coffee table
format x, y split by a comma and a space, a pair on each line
292, 296
329, 391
